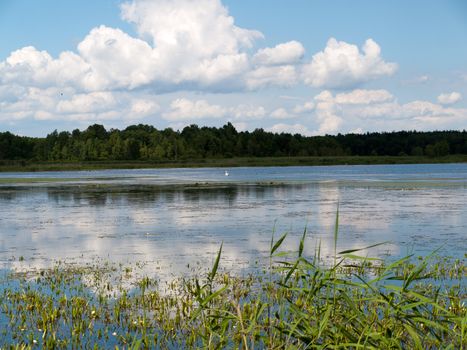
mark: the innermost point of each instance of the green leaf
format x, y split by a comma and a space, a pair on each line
336, 230
358, 257
213, 295
414, 335
278, 243
324, 321
281, 254
216, 264
291, 271
302, 243
358, 249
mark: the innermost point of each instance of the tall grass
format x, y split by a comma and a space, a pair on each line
300, 302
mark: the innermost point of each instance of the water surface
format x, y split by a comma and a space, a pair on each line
172, 218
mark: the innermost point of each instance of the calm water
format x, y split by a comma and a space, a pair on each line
172, 218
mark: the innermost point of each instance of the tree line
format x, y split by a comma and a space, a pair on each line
145, 142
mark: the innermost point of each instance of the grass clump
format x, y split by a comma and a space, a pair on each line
299, 302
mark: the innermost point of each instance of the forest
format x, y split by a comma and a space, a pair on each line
145, 142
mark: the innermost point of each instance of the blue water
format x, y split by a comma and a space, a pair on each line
138, 215
420, 172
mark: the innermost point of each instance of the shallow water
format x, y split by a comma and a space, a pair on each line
172, 218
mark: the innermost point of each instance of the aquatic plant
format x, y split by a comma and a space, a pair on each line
298, 302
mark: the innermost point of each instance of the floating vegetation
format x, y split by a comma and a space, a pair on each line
296, 303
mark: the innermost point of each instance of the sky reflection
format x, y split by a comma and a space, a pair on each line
171, 227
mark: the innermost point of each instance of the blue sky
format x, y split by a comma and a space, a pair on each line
313, 67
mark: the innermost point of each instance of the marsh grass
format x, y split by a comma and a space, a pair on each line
31, 166
299, 302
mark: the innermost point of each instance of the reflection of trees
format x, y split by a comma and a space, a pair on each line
208, 194
78, 196
58, 195
174, 224
7, 194
143, 195
139, 195
98, 199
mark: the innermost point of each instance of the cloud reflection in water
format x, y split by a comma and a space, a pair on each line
173, 226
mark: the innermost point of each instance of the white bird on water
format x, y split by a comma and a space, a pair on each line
226, 173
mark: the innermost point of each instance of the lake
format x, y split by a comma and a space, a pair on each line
175, 219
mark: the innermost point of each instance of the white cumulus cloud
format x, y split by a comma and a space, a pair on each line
379, 110
280, 113
186, 110
68, 105
117, 60
286, 53
201, 28
247, 112
87, 103
240, 126
194, 42
365, 97
289, 128
31, 67
183, 109
449, 98
327, 114
285, 76
182, 44
342, 64
421, 79
188, 45
304, 108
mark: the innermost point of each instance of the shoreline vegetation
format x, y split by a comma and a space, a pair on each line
144, 146
297, 302
34, 166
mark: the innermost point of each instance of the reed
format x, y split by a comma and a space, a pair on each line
299, 302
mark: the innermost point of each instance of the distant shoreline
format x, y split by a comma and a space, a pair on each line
32, 166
